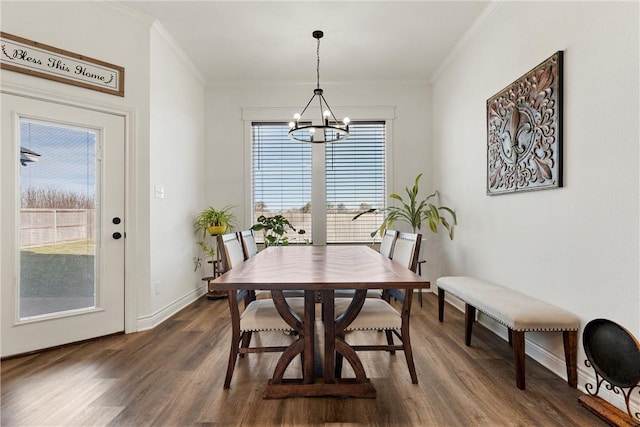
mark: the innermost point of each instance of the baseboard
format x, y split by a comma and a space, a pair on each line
553, 362
154, 319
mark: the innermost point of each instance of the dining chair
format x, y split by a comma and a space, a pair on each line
234, 255
249, 244
387, 242
249, 315
386, 249
250, 248
381, 315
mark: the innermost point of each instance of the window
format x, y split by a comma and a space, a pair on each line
355, 170
281, 177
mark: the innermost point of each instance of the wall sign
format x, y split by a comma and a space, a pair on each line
37, 59
524, 135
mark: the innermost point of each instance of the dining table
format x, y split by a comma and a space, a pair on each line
319, 271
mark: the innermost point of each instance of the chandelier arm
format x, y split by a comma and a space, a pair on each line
329, 108
308, 103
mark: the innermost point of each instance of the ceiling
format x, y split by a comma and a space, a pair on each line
271, 42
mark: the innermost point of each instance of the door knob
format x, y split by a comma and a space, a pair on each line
116, 235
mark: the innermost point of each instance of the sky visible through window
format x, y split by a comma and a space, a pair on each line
67, 161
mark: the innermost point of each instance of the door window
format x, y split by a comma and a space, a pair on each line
57, 218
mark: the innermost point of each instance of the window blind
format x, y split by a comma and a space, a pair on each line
355, 171
281, 178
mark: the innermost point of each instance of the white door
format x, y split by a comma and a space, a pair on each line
61, 223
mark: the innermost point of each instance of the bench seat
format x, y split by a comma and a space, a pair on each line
518, 312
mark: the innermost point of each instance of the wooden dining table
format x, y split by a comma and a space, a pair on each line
319, 271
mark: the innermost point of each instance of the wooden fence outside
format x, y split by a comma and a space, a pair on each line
40, 227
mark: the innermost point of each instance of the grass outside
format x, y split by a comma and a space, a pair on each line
81, 247
64, 270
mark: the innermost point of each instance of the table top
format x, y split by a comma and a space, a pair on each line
319, 268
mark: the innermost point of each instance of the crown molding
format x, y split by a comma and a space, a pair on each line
480, 22
180, 52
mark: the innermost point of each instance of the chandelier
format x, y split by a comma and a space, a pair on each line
329, 129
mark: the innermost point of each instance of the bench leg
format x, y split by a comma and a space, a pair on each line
441, 293
518, 356
570, 339
469, 318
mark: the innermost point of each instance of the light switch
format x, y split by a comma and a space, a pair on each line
158, 191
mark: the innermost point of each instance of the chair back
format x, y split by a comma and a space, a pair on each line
406, 250
248, 243
232, 249
388, 240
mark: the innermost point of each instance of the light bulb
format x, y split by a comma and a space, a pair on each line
296, 116
291, 124
326, 114
346, 120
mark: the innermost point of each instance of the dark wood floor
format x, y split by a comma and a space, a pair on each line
173, 376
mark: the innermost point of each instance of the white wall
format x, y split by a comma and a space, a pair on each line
166, 140
225, 150
576, 247
176, 166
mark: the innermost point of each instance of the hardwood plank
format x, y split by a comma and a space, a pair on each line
173, 376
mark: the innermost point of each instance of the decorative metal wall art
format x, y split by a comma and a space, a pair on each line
524, 131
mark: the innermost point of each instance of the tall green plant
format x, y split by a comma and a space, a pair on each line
414, 212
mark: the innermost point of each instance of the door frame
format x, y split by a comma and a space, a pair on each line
130, 291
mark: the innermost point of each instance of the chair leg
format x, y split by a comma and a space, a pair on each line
570, 339
246, 340
389, 335
233, 356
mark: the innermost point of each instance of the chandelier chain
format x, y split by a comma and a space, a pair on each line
318, 64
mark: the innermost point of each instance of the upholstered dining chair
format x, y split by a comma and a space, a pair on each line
387, 242
249, 315
250, 248
234, 255
386, 249
249, 244
381, 315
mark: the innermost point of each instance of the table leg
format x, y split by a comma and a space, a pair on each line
339, 327
309, 337
328, 314
311, 385
303, 330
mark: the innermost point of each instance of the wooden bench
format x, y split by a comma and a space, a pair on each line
518, 312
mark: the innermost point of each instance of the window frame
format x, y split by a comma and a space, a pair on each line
318, 178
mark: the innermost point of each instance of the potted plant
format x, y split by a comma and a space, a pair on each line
414, 212
212, 222
215, 221
274, 229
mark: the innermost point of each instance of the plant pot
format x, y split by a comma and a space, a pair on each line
215, 230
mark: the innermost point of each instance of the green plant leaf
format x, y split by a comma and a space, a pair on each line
414, 211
